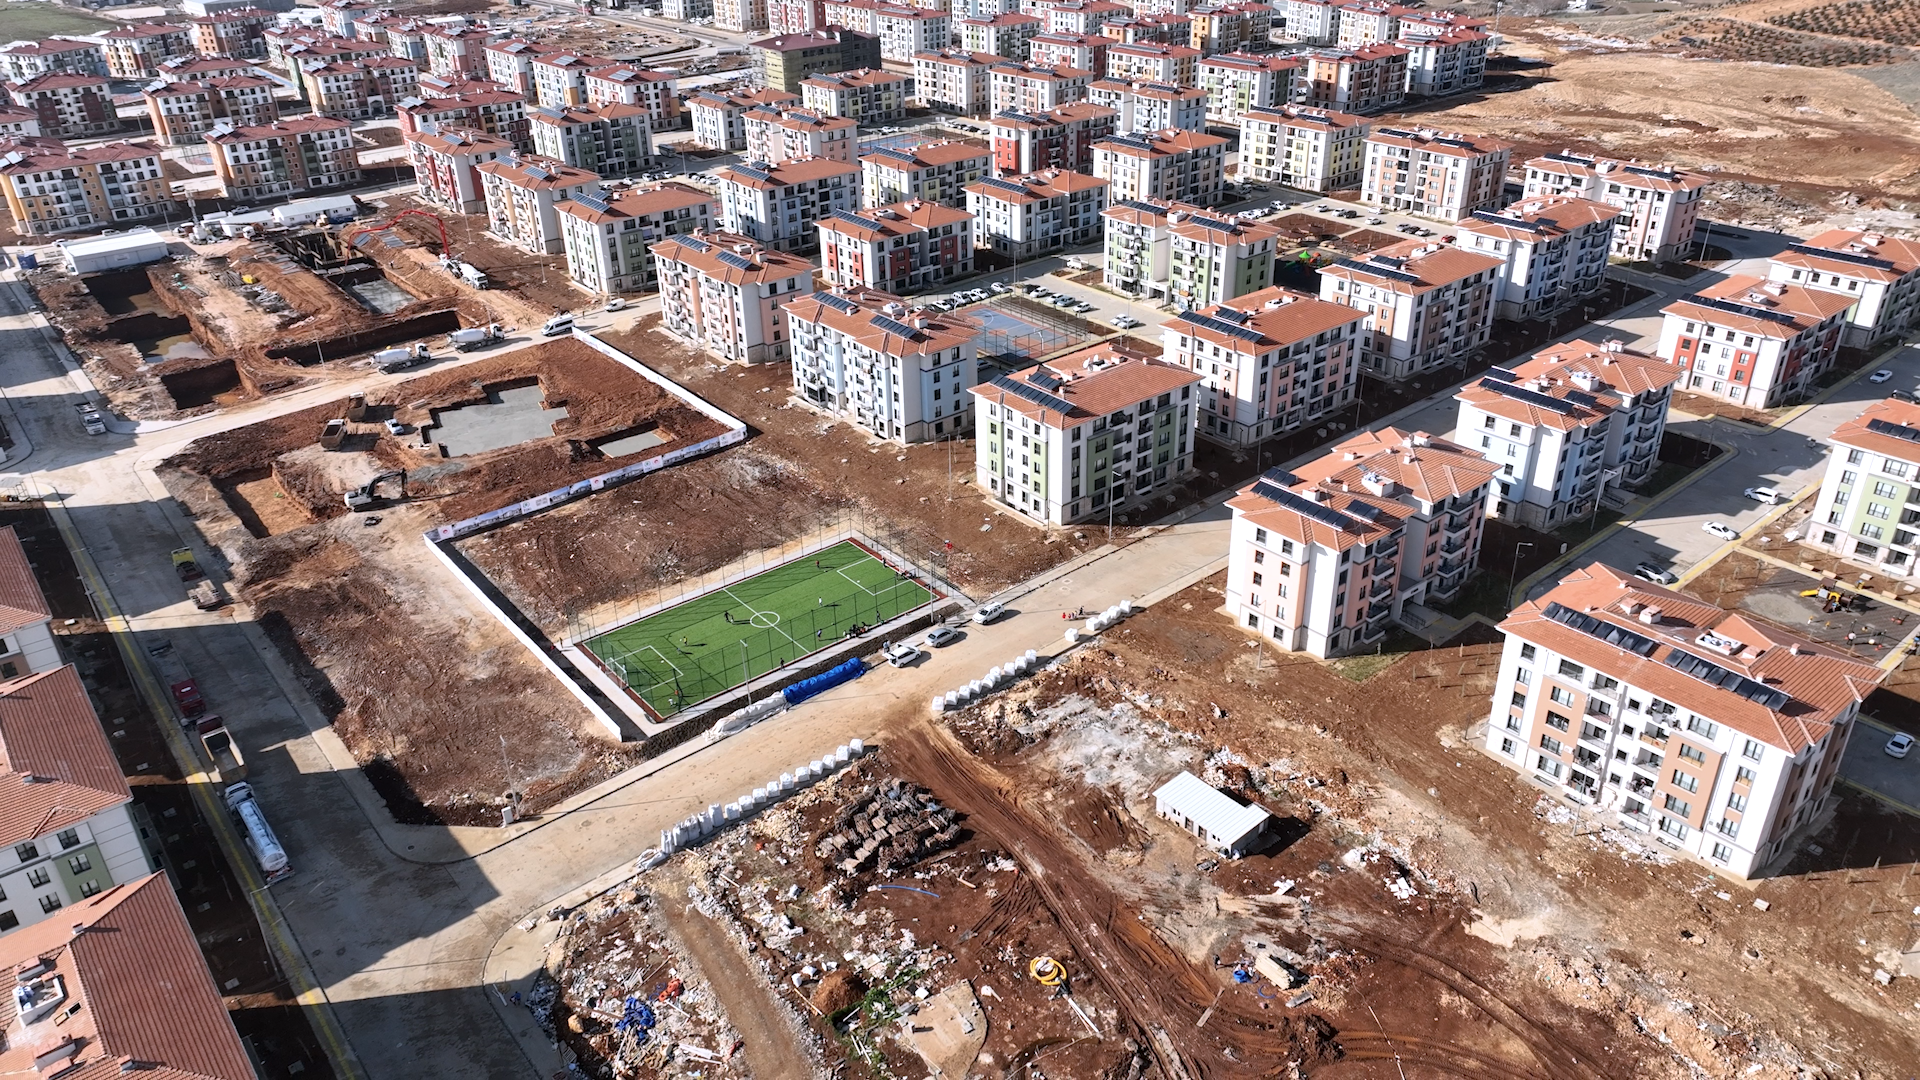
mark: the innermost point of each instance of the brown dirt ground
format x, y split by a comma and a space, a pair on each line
538, 281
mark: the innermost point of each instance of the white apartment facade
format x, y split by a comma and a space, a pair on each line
1716, 733
723, 293
865, 96
1025, 216
1093, 435
899, 373
905, 32
1214, 259
447, 166
1325, 558
26, 625
777, 135
1662, 204
1145, 106
1568, 424
523, 197
1006, 34
609, 237
1168, 166
718, 119
1434, 174
955, 80
1754, 342
903, 248
1153, 62
1868, 511
1454, 62
1238, 83
1035, 88
1270, 362
1555, 250
779, 205
1367, 80
612, 140
1879, 273
1137, 249
1428, 305
1303, 148
930, 172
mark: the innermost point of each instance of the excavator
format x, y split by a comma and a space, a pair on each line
366, 496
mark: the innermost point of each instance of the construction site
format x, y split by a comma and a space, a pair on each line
263, 314
992, 893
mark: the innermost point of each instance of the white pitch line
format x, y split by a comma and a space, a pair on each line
776, 626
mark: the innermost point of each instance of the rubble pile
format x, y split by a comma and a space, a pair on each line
888, 830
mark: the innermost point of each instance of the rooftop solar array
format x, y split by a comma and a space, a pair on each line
1461, 143
1657, 174
695, 243
1378, 270
535, 172
1502, 374
1617, 636
1280, 476
1218, 326
896, 154
1583, 399
1006, 186
855, 219
1305, 507
1144, 207
1854, 257
1510, 222
1044, 380
738, 262
1713, 674
1898, 431
593, 202
894, 326
1570, 159
1133, 142
1530, 397
1734, 307
752, 173
838, 303
1031, 393
1211, 223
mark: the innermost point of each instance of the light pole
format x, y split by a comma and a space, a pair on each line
1113, 487
1513, 577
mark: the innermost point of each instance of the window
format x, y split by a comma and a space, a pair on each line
1556, 721
69, 838
1256, 580
1547, 765
1689, 753
1593, 733
1526, 652
1752, 750
38, 876
1704, 728
8, 920
1551, 745
1743, 775
89, 887
1572, 670
1854, 457
1507, 747
1679, 806
26, 852
80, 864
1561, 696
1524, 677
1883, 489
1259, 536
1722, 852
1737, 802
1684, 782
1675, 829
50, 903
1519, 700
1603, 682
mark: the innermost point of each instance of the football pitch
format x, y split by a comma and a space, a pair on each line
714, 642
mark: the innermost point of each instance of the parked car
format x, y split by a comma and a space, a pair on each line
1722, 530
998, 286
1124, 321
1765, 495
900, 654
941, 305
1899, 745
986, 613
941, 635
395, 427
1376, 221
1881, 376
616, 303
1650, 572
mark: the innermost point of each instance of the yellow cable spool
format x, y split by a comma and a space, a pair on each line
1047, 971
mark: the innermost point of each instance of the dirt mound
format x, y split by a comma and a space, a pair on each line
838, 991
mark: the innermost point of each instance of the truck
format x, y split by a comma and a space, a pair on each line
91, 418
221, 749
401, 358
367, 495
184, 565
474, 337
333, 433
182, 689
206, 595
264, 846
473, 275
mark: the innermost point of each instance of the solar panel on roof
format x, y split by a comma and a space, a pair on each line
1218, 326
1032, 393
1583, 399
1044, 381
535, 172
593, 202
1898, 431
1509, 222
1569, 159
1378, 270
1461, 143
1280, 476
1130, 141
1502, 374
1657, 174
855, 219
738, 262
894, 326
838, 303
1735, 308
1211, 223
1144, 207
1853, 257
752, 173
1732, 681
696, 243
1005, 186
1305, 507
1530, 397
896, 154
1616, 636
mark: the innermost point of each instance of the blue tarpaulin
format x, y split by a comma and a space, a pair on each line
824, 681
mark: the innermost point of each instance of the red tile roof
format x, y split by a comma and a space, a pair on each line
1902, 257
933, 332
1432, 265
21, 601
1855, 433
1804, 308
59, 770
1093, 381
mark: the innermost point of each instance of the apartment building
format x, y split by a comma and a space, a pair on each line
866, 96
1213, 259
510, 63
790, 59
1325, 559
611, 140
1150, 106
1271, 361
1035, 88
26, 624
1169, 27
1006, 34
719, 119
53, 188
1868, 510
725, 294
1097, 434
25, 60
899, 373
1754, 342
239, 33
655, 91
1137, 250
686, 10
1153, 62
1087, 52
523, 195
112, 980
792, 134
458, 52
740, 16
67, 105
1434, 174
447, 161
286, 157
955, 80
905, 32
560, 79
1451, 63
68, 821
1025, 216
1715, 732
183, 111
795, 16
1566, 425
1303, 148
1235, 27
198, 68
1555, 250
134, 51
931, 172
361, 88
905, 247
1662, 204
18, 122
1428, 305
1237, 83
1168, 166
609, 237
1311, 22
780, 205
1059, 138
406, 39
1083, 16
339, 16
1367, 80
293, 50
1365, 22
500, 112
1879, 273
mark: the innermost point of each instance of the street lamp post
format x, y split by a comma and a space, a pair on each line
1513, 576
1112, 498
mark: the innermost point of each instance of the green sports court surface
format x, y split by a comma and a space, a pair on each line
691, 651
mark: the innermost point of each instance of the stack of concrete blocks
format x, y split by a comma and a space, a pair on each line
716, 816
891, 829
996, 679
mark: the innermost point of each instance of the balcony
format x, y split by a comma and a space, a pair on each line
1636, 819
1383, 567
1381, 590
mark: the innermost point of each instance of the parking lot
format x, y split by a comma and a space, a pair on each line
1868, 765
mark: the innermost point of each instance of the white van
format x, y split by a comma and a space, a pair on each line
559, 324
1765, 495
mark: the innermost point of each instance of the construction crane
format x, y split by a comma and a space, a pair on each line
364, 496
346, 238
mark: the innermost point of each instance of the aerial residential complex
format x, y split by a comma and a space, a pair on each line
1433, 174
902, 248
1309, 149
1428, 305
1880, 274
900, 375
723, 293
779, 205
1662, 204
609, 238
1271, 362
1555, 250
1754, 342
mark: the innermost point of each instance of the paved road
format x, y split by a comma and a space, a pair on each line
1868, 765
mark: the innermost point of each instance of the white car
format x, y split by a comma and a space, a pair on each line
998, 286
616, 303
989, 612
1880, 376
1722, 530
1899, 745
900, 654
941, 635
1650, 572
395, 427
